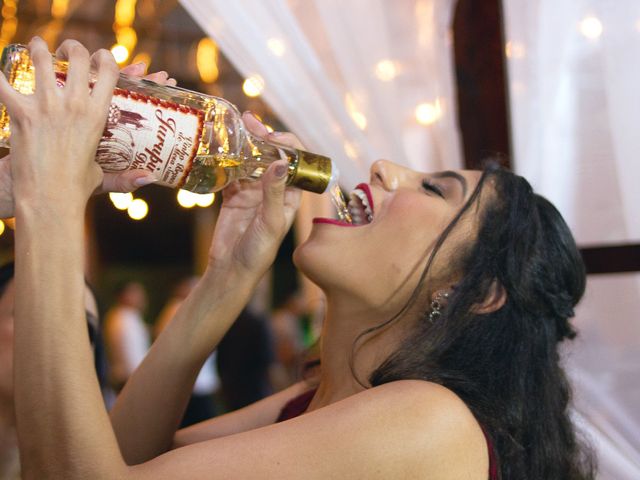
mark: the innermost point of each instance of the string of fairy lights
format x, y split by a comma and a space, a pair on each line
125, 50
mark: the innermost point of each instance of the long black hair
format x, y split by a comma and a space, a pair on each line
505, 364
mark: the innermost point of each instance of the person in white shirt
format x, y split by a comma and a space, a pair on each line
125, 333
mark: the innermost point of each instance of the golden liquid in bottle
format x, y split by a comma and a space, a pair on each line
211, 173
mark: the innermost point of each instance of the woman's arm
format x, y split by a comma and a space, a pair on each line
55, 133
259, 414
66, 123
251, 225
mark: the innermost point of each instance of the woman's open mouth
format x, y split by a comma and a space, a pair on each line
360, 207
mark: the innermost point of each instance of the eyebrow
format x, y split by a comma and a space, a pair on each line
456, 176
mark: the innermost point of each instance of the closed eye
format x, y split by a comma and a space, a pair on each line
430, 187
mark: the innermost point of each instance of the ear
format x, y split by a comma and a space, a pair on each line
494, 301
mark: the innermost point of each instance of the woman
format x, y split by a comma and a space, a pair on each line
438, 357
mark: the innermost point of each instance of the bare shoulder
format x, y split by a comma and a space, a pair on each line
431, 423
419, 398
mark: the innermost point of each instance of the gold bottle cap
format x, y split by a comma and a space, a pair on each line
311, 172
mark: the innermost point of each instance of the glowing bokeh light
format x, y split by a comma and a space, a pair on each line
253, 86
186, 199
207, 60
120, 53
121, 200
514, 50
428, 113
350, 150
386, 70
138, 209
357, 116
127, 37
205, 200
1, 227
591, 27
277, 46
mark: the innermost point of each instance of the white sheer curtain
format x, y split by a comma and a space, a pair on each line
348, 76
574, 73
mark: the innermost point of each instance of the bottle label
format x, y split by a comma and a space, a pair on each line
148, 133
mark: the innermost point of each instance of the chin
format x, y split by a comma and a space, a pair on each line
308, 260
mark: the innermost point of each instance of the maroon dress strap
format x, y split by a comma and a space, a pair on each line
298, 405
493, 461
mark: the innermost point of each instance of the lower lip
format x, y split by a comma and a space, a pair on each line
331, 221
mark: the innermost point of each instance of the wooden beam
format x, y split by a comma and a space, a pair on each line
612, 259
480, 71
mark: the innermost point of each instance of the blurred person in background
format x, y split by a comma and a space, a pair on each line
246, 360
125, 333
202, 404
288, 332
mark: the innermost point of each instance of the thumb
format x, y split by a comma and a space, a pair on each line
274, 184
127, 181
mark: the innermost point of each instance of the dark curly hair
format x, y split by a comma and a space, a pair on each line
505, 364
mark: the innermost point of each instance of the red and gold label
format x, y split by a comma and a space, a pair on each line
144, 132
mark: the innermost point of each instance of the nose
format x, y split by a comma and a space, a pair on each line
389, 175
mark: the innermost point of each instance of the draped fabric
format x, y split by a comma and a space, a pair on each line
348, 76
574, 72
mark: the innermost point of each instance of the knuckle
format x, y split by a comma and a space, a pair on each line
39, 55
104, 58
72, 48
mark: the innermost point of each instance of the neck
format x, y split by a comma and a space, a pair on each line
342, 326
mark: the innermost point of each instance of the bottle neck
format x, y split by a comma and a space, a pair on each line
308, 171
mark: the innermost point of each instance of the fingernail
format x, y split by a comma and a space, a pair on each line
277, 134
254, 116
142, 181
281, 170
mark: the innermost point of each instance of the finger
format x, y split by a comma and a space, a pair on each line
10, 98
126, 181
274, 186
77, 82
107, 73
254, 125
135, 69
285, 139
43, 65
172, 82
157, 77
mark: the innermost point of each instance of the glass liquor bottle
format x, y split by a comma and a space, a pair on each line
187, 139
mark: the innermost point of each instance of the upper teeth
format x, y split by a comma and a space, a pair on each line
361, 211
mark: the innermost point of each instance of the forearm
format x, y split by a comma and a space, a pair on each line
150, 407
60, 415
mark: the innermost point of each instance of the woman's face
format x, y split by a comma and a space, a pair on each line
399, 215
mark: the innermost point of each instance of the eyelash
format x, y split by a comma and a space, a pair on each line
432, 188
